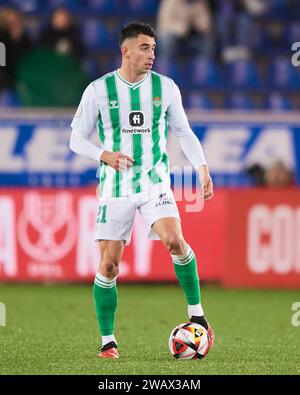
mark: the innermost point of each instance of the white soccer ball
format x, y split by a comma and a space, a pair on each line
189, 341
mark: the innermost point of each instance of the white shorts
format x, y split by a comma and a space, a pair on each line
116, 215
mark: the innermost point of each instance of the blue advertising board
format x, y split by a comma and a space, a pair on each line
34, 149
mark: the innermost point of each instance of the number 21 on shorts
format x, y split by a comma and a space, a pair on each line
101, 217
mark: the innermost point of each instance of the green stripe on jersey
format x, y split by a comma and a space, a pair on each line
113, 105
165, 158
165, 161
135, 105
102, 165
101, 129
102, 178
154, 177
156, 110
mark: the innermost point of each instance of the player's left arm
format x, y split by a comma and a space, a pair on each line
189, 142
206, 184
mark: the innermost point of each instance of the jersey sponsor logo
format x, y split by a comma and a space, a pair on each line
163, 199
136, 118
156, 101
136, 131
113, 104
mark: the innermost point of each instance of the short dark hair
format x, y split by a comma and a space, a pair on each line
134, 30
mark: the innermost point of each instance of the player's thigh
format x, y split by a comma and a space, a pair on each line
111, 251
170, 233
161, 216
115, 220
168, 227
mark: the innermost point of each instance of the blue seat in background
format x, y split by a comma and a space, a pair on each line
277, 4
239, 101
292, 33
95, 34
102, 6
277, 101
9, 98
72, 5
139, 7
242, 74
114, 63
282, 74
25, 6
168, 67
277, 8
201, 72
196, 100
91, 67
258, 38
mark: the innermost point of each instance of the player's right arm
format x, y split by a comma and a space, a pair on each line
83, 124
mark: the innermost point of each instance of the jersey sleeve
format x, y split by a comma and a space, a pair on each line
179, 124
83, 124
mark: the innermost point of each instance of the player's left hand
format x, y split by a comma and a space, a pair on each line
206, 183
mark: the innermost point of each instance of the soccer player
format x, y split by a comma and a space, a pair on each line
133, 108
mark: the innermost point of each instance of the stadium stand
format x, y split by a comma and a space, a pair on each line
247, 82
276, 101
196, 100
239, 101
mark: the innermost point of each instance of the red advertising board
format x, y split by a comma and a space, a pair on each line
263, 239
48, 235
242, 238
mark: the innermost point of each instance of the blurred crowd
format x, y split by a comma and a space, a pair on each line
203, 25
275, 175
214, 49
60, 35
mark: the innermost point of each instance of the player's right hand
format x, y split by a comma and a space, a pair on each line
116, 160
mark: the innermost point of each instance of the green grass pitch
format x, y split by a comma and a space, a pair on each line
52, 330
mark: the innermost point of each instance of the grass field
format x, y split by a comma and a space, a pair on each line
52, 330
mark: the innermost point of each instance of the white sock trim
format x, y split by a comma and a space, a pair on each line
195, 309
104, 282
185, 258
108, 339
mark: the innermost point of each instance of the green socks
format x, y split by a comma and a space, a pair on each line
185, 267
106, 300
106, 296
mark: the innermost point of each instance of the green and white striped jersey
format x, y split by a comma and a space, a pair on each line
132, 119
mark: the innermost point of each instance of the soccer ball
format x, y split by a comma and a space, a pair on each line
189, 341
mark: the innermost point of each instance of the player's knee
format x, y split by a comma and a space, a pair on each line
175, 244
116, 272
109, 269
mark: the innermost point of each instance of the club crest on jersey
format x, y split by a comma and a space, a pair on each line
113, 104
156, 101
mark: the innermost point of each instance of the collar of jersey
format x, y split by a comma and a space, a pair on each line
135, 84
